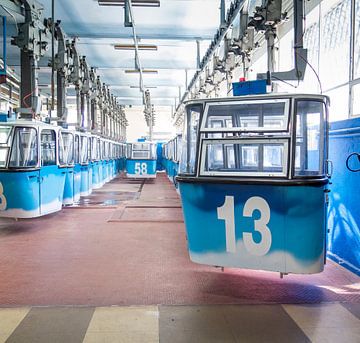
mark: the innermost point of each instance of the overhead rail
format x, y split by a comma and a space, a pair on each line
129, 21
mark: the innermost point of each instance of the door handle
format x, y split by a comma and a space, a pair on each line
32, 177
63, 173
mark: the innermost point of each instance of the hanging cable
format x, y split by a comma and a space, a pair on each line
313, 69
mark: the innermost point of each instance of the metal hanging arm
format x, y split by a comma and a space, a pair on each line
273, 9
3, 70
33, 39
61, 65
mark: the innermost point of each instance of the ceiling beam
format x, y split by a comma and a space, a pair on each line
150, 36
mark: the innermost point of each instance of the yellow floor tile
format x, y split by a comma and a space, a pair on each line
131, 324
322, 316
333, 335
10, 318
116, 337
326, 322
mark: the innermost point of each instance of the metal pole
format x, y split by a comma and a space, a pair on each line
78, 106
270, 38
4, 44
222, 14
52, 56
198, 54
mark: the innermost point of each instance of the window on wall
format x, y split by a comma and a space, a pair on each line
357, 40
327, 37
356, 100
335, 47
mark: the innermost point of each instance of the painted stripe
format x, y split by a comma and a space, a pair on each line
124, 324
10, 318
55, 325
228, 323
326, 322
354, 308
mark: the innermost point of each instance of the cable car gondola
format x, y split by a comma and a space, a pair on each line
141, 160
253, 182
31, 176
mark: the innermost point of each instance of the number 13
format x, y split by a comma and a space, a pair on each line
227, 213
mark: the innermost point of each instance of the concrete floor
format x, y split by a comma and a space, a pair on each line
125, 245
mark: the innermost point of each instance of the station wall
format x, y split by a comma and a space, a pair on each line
344, 205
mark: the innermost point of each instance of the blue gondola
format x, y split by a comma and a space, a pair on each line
141, 160
174, 158
253, 182
31, 178
171, 153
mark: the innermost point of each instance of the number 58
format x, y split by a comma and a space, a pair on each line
140, 168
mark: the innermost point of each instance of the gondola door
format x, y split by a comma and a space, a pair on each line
52, 178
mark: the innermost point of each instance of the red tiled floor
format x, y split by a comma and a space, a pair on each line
77, 257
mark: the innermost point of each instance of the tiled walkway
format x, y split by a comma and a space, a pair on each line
97, 272
171, 324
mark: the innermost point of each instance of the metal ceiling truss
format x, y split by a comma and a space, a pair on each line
98, 110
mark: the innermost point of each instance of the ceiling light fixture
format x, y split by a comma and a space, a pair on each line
147, 87
148, 47
137, 71
142, 3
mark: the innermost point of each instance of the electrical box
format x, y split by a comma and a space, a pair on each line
249, 87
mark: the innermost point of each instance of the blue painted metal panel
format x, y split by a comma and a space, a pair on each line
297, 226
14, 184
77, 182
52, 181
68, 197
159, 162
96, 182
90, 172
104, 172
141, 168
84, 184
249, 87
344, 214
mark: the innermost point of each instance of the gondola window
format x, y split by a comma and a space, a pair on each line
24, 150
48, 147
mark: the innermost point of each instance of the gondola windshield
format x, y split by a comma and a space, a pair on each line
255, 139
66, 148
24, 149
84, 150
4, 144
48, 147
